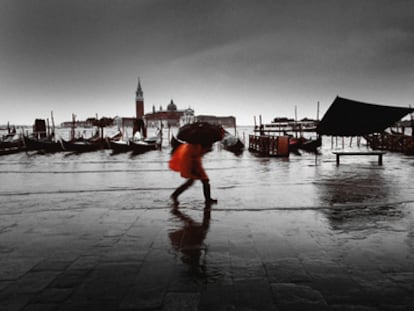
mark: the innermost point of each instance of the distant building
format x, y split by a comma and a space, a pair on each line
78, 123
223, 121
172, 117
122, 122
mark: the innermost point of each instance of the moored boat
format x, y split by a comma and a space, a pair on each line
42, 145
11, 150
141, 146
310, 145
83, 146
232, 143
11, 144
119, 146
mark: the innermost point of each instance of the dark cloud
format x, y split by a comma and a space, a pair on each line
62, 54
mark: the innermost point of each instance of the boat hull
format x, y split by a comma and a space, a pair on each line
82, 146
32, 144
142, 147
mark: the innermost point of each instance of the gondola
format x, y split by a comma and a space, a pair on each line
232, 143
311, 145
141, 146
11, 145
11, 150
83, 146
41, 145
10, 142
119, 146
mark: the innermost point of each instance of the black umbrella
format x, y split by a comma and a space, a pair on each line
202, 133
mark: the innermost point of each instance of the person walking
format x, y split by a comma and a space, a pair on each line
186, 160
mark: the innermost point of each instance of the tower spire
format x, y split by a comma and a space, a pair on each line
139, 101
139, 93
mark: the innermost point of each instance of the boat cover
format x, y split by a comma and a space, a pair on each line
346, 117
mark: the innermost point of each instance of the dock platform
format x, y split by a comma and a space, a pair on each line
268, 145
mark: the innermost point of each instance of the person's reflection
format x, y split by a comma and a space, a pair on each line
189, 239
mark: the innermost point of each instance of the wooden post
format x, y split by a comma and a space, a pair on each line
53, 124
48, 128
72, 131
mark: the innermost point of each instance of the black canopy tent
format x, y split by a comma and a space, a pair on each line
346, 117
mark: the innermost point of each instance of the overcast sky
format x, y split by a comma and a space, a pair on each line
228, 57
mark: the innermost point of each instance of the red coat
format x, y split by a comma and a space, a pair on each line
187, 160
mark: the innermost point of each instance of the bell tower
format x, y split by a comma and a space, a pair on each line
139, 101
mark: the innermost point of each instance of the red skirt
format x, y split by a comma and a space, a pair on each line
187, 161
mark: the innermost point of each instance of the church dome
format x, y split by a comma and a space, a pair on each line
171, 106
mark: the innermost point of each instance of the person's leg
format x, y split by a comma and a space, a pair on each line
181, 189
207, 192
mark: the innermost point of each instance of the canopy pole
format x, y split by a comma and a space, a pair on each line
317, 111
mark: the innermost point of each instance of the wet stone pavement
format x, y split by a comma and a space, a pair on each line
194, 257
98, 232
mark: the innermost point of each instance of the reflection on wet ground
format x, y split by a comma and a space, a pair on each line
344, 186
188, 240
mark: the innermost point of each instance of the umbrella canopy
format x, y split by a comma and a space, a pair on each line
202, 133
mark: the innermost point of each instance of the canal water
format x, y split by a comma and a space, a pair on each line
243, 181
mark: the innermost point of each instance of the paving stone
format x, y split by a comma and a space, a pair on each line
404, 279
106, 282
33, 282
4, 284
151, 283
320, 267
288, 270
70, 278
248, 270
51, 265
297, 297
14, 268
13, 300
351, 308
218, 297
86, 262
41, 307
254, 294
52, 295
181, 302
338, 288
90, 306
183, 280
